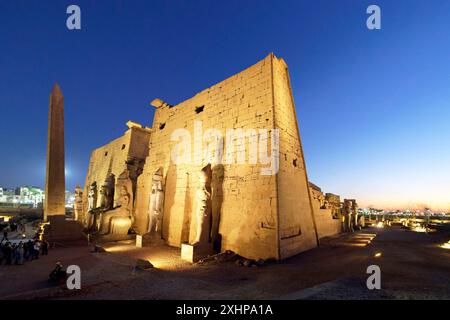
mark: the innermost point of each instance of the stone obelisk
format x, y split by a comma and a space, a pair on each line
55, 183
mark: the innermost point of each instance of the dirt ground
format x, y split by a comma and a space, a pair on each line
413, 266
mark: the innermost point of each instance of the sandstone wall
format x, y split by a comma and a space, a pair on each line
255, 215
326, 225
244, 201
297, 230
113, 157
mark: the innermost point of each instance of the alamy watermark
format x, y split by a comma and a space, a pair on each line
373, 22
190, 149
74, 277
73, 21
374, 280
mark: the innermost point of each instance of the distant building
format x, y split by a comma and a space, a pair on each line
22, 197
27, 197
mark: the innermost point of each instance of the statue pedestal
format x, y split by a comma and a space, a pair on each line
149, 240
195, 252
60, 230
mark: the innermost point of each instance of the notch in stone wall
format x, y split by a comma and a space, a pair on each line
199, 109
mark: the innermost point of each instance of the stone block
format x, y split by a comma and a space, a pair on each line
142, 264
60, 230
195, 252
150, 240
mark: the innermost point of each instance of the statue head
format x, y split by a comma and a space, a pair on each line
78, 192
123, 191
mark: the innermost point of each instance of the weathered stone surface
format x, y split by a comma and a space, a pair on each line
55, 185
142, 264
195, 252
125, 153
258, 216
327, 222
58, 229
99, 249
148, 240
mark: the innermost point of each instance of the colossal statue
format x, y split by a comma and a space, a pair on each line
92, 196
90, 217
107, 193
117, 221
203, 209
347, 216
78, 205
355, 220
156, 204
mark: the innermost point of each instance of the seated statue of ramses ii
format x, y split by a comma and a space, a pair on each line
109, 221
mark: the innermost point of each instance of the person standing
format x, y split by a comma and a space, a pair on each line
19, 253
13, 253
2, 254
28, 250
5, 235
8, 252
37, 248
44, 248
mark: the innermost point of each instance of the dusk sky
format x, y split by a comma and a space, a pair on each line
373, 105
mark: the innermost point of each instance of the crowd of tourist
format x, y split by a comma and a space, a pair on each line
18, 253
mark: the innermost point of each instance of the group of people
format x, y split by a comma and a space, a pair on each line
18, 253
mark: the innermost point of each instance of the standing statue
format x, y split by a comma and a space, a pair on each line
347, 213
156, 204
92, 196
90, 217
78, 205
355, 222
203, 211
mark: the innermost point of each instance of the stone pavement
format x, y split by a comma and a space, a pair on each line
412, 265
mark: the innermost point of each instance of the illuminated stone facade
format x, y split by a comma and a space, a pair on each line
252, 212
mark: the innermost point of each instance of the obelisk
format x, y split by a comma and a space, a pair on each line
55, 183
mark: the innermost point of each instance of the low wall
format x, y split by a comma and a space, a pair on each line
326, 225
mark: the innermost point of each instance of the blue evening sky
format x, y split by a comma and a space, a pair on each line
373, 106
